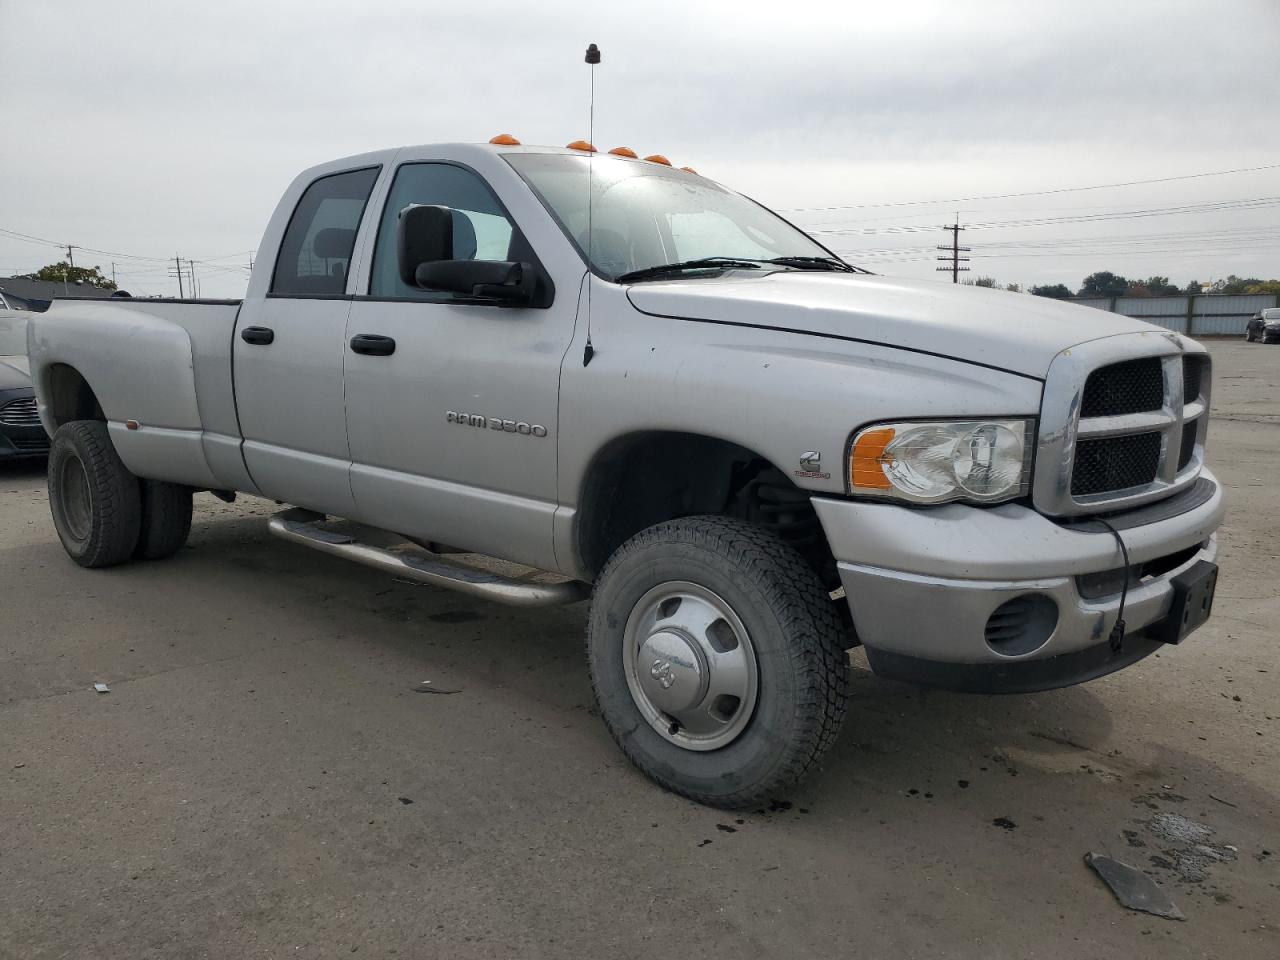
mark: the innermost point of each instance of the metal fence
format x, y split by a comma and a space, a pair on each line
1204, 315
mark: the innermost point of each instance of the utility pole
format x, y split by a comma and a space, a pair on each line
955, 251
70, 256
191, 267
178, 263
113, 271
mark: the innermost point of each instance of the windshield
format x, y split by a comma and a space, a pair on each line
646, 214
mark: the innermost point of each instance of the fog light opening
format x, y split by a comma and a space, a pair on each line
1022, 625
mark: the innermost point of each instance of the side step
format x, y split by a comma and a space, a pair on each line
309, 529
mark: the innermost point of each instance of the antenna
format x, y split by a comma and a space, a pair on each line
592, 58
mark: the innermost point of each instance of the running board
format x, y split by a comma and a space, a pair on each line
307, 528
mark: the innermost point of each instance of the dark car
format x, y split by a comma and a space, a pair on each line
1264, 326
21, 434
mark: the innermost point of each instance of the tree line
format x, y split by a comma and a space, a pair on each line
1104, 283
64, 272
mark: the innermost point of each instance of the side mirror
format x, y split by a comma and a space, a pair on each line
490, 279
423, 235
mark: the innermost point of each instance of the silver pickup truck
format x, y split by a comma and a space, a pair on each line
539, 375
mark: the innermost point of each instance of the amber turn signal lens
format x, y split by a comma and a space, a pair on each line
658, 158
581, 145
624, 152
866, 466
689, 170
505, 140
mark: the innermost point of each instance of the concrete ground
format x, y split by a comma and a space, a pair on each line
263, 780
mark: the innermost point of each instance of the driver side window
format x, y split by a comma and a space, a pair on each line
481, 230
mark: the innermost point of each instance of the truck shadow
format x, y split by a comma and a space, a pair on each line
896, 735
24, 469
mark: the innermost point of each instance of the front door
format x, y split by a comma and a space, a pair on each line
452, 415
289, 350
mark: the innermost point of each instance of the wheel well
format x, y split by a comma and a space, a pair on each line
71, 397
646, 478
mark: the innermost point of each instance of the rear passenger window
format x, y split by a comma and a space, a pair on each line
315, 255
481, 230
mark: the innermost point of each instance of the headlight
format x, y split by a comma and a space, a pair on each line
985, 461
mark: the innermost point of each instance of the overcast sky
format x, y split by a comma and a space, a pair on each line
152, 129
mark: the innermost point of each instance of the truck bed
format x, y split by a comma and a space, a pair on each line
164, 365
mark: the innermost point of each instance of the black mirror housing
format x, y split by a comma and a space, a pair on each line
483, 279
423, 235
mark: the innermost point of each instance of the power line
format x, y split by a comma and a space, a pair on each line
17, 235
1031, 193
1214, 206
1220, 251
1243, 235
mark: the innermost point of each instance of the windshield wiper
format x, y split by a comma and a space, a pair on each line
814, 263
702, 263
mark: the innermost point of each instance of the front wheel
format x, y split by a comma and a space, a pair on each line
717, 659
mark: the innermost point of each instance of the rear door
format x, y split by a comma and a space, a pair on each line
453, 431
290, 346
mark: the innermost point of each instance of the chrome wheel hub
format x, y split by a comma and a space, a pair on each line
690, 666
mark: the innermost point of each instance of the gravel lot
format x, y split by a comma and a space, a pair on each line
263, 781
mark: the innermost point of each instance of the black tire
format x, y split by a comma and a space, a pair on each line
1248, 336
799, 649
95, 501
166, 519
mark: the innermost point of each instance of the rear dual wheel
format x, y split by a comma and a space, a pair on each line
717, 659
104, 515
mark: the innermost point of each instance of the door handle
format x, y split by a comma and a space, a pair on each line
258, 335
373, 345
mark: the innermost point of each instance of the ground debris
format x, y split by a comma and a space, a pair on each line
430, 686
1191, 853
1180, 829
1004, 823
1133, 888
101, 687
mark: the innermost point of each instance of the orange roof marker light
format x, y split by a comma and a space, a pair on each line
505, 140
690, 170
658, 158
624, 152
580, 145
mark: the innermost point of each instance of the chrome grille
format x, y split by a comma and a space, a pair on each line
1129, 387
1190, 429
1115, 463
20, 413
1117, 430
1192, 369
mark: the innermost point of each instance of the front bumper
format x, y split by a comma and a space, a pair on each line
922, 584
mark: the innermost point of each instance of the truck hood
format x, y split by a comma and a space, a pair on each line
1010, 331
14, 372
